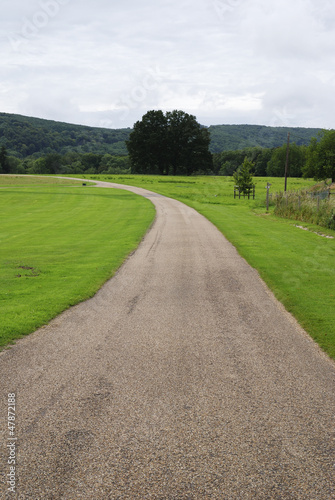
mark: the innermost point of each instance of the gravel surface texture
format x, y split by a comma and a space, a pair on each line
183, 378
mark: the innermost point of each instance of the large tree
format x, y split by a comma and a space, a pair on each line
4, 163
297, 158
188, 144
147, 145
321, 157
174, 143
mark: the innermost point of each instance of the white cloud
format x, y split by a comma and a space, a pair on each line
226, 61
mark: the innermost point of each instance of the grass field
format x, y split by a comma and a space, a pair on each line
59, 244
299, 266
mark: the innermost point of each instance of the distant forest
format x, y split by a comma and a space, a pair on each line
38, 146
234, 137
25, 136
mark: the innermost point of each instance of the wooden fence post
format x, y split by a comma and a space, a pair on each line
267, 195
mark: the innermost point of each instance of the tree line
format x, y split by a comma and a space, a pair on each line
317, 160
267, 162
174, 143
69, 163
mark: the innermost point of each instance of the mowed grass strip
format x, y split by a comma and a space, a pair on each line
58, 245
299, 266
8, 180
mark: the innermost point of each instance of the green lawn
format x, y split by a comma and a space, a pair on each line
58, 245
34, 180
299, 266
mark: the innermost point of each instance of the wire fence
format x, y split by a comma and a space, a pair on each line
306, 206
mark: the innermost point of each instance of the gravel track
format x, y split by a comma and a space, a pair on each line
183, 378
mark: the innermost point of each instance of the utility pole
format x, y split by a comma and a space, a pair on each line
286, 164
267, 196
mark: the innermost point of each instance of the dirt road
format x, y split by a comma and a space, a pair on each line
183, 378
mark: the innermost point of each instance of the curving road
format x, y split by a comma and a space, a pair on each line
183, 378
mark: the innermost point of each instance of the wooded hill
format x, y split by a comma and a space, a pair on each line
25, 136
235, 137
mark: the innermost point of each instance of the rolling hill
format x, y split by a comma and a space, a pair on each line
25, 136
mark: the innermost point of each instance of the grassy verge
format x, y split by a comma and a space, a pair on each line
59, 244
299, 266
30, 180
301, 206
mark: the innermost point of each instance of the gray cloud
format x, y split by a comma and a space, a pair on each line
105, 63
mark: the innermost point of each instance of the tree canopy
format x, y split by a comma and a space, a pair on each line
320, 162
4, 164
174, 143
297, 158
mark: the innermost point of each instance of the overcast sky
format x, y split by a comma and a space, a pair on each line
107, 62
